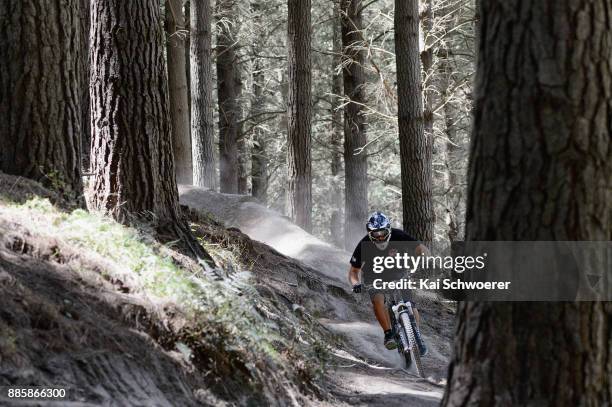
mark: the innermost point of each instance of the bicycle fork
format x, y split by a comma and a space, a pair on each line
402, 312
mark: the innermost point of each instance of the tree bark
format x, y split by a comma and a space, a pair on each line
259, 157
41, 90
299, 112
243, 162
202, 127
132, 153
415, 148
539, 170
187, 15
453, 147
177, 86
84, 59
228, 91
132, 156
355, 161
335, 192
427, 60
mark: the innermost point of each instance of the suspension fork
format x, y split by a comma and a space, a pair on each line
403, 315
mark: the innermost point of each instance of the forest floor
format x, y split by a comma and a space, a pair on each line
363, 371
119, 319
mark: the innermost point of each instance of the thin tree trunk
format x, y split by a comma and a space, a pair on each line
41, 91
415, 148
243, 151
243, 162
431, 98
539, 169
177, 86
84, 59
299, 112
453, 152
429, 83
202, 126
132, 156
355, 161
335, 192
228, 90
187, 14
259, 158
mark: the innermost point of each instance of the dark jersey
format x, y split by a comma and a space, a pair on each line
397, 235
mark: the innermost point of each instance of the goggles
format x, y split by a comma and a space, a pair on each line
380, 234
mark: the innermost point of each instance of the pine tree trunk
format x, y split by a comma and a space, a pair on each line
187, 15
243, 163
539, 170
335, 193
415, 148
259, 158
429, 83
453, 151
132, 152
177, 86
41, 90
431, 98
355, 161
84, 58
201, 76
228, 91
299, 112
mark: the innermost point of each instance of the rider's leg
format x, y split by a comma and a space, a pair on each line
382, 315
378, 302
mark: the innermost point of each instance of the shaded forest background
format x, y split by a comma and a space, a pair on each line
237, 127
323, 110
258, 32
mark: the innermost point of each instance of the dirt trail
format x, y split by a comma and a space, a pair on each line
366, 373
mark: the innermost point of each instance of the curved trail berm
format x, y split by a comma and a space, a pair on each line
365, 372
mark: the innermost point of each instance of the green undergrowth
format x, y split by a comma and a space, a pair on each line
232, 332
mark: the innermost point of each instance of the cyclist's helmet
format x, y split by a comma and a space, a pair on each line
379, 229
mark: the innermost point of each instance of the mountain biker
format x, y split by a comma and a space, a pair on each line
381, 233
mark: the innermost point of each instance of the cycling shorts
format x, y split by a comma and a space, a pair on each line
406, 294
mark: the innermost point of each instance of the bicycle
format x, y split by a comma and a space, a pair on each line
404, 327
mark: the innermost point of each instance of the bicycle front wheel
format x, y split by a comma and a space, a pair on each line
414, 349
407, 359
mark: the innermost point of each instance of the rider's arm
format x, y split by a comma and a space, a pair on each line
353, 275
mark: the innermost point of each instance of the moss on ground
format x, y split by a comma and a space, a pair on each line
232, 332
